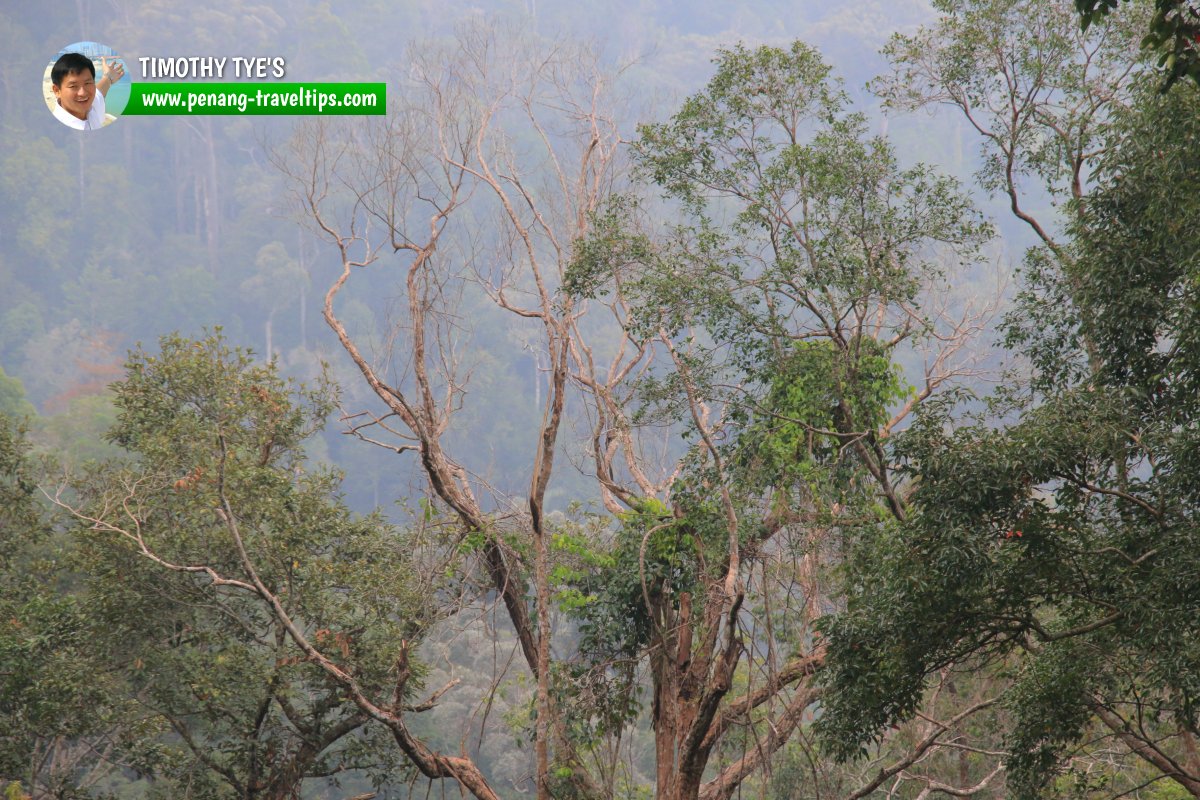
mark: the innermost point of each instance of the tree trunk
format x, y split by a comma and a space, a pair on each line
542, 732
212, 205
267, 334
681, 758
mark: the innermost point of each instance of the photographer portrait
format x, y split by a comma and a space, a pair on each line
77, 96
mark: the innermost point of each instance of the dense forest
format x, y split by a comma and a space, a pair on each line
673, 400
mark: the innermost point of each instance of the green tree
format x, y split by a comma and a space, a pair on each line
1033, 90
12, 397
216, 564
1066, 541
36, 188
1173, 33
275, 270
64, 723
778, 302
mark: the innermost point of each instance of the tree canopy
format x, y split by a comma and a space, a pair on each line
1064, 543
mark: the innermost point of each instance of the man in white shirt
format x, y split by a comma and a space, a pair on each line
79, 98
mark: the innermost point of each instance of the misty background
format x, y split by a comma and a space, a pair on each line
160, 224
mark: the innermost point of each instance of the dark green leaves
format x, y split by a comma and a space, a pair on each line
1173, 33
1059, 537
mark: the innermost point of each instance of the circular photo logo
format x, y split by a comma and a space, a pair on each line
85, 86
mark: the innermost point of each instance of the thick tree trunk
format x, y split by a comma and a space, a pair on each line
677, 673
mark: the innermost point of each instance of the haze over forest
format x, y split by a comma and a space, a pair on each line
667, 399
178, 225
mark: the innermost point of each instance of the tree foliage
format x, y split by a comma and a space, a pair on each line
1173, 33
65, 721
209, 550
779, 298
1066, 539
1031, 88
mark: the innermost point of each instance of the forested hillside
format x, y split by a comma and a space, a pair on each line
674, 400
